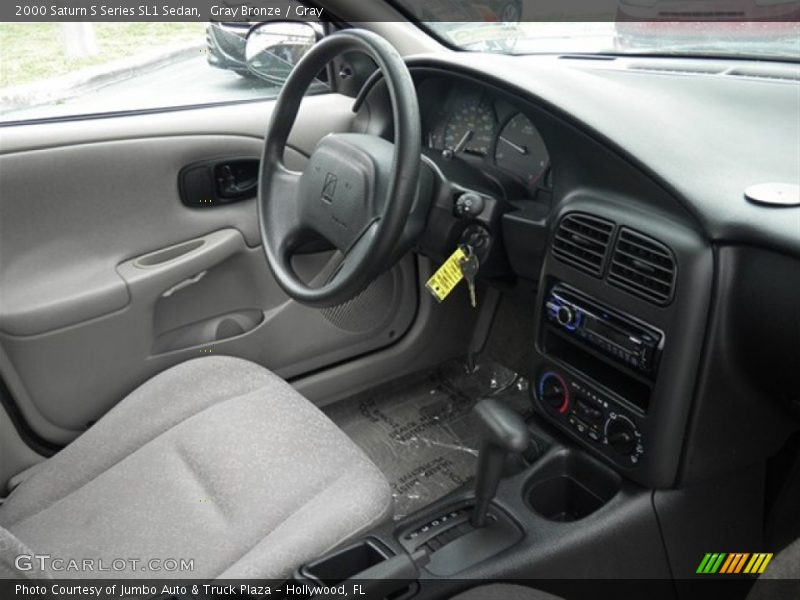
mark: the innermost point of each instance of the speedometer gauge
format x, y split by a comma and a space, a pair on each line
521, 150
471, 127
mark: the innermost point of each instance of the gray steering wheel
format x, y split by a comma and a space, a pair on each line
356, 191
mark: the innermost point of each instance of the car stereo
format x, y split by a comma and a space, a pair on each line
613, 334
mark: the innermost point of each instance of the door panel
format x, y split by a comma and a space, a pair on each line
86, 208
106, 278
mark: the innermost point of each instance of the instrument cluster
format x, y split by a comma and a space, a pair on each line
474, 125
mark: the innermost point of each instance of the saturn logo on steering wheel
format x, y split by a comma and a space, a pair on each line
329, 187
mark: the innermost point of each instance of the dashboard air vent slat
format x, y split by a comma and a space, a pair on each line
790, 73
643, 266
582, 240
677, 68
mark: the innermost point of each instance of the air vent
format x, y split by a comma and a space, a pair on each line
643, 267
582, 241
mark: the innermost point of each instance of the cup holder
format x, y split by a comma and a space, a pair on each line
569, 487
352, 563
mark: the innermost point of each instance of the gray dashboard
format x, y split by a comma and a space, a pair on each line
703, 130
659, 149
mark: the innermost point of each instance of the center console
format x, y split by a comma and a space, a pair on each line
544, 516
621, 308
600, 378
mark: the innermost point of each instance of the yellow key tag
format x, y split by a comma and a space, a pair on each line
447, 276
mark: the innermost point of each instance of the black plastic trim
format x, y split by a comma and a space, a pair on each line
28, 435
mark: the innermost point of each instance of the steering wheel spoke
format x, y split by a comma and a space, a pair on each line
281, 219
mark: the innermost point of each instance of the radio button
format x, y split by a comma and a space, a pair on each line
566, 316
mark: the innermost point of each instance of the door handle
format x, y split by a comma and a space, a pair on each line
236, 180
220, 181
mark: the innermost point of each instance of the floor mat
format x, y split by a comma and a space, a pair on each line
421, 431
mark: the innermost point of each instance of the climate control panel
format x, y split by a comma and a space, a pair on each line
590, 414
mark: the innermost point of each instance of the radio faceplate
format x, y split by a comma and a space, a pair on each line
615, 335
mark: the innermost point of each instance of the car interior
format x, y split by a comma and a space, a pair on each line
228, 331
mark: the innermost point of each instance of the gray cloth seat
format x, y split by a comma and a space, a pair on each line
216, 460
781, 579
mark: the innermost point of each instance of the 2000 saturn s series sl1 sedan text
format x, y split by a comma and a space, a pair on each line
401, 299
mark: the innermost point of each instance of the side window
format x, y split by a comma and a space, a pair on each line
71, 69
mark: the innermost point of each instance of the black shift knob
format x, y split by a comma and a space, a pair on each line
501, 426
502, 432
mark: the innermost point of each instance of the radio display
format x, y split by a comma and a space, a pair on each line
614, 335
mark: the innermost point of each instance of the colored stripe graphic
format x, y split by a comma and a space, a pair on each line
734, 562
741, 562
758, 563
703, 563
738, 562
753, 564
766, 562
727, 564
711, 562
715, 567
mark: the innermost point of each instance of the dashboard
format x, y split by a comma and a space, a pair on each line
632, 234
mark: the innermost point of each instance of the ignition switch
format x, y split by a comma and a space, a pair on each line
477, 237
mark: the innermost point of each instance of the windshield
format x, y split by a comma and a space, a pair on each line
746, 28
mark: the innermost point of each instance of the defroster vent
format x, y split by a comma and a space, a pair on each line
582, 240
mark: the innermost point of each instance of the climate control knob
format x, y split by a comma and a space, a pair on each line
622, 435
553, 391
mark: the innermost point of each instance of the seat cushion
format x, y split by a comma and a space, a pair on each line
216, 460
781, 579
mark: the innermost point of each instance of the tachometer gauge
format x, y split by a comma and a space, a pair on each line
521, 150
471, 127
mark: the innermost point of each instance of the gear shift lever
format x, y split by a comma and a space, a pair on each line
503, 432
